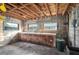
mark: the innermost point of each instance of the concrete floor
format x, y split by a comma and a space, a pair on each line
23, 48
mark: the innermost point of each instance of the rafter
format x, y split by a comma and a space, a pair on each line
43, 9
34, 13
65, 9
12, 5
11, 15
27, 13
8, 7
57, 9
47, 7
15, 16
38, 9
18, 10
22, 14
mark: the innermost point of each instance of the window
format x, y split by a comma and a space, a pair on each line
11, 26
33, 27
50, 26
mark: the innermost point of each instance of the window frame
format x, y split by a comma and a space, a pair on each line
55, 28
32, 27
10, 29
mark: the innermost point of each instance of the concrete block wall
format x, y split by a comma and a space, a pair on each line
6, 36
41, 21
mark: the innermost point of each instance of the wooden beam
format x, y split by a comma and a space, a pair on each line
18, 10
65, 9
38, 9
34, 13
47, 7
23, 14
14, 16
12, 5
8, 7
42, 7
57, 9
27, 13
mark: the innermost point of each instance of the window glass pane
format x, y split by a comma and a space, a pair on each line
10, 26
33, 27
50, 26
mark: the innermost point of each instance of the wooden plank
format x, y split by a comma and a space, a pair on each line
33, 13
14, 16
44, 9
38, 9
18, 10
22, 14
57, 8
13, 5
27, 13
65, 9
52, 7
47, 7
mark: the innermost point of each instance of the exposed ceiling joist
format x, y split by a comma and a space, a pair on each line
22, 14
12, 5
34, 13
15, 16
65, 9
44, 10
29, 14
19, 11
38, 9
47, 7
11, 15
57, 8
